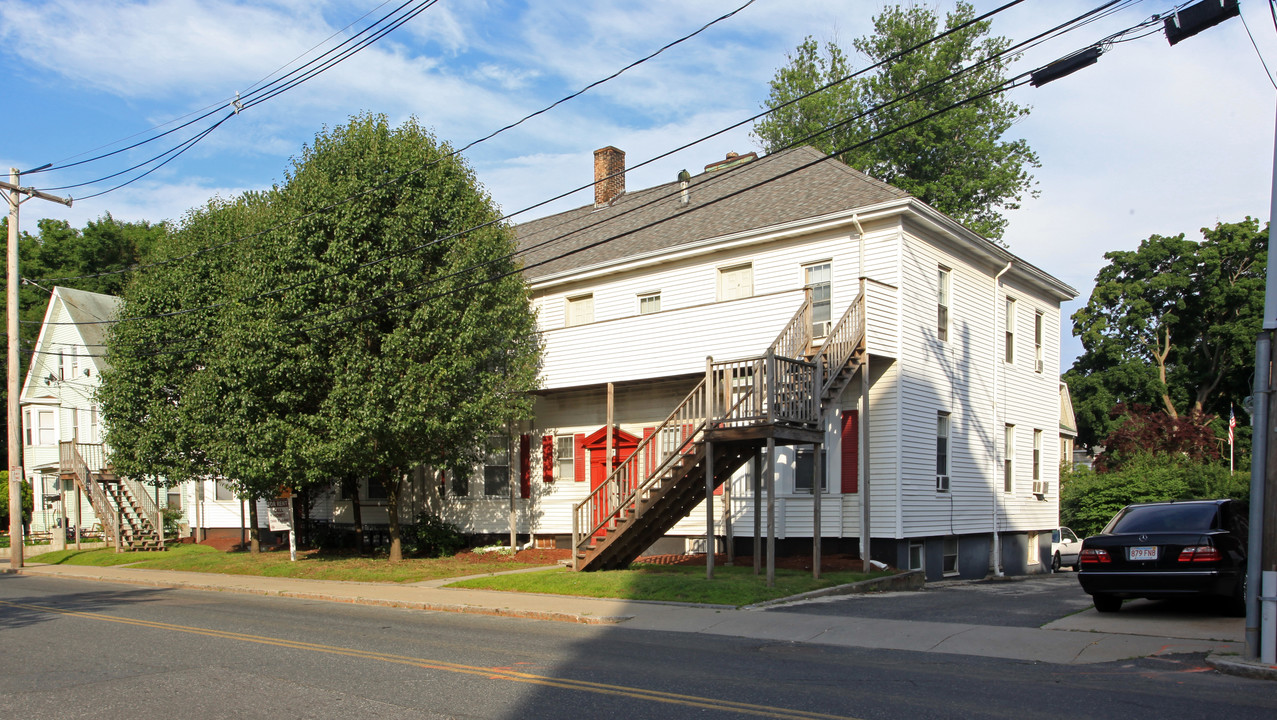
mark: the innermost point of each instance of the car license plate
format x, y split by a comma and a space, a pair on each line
1143, 553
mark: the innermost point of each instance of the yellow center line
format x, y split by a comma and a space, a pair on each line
493, 673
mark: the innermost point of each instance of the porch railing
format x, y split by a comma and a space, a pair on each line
83, 460
843, 341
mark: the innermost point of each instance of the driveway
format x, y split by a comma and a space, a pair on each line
1054, 602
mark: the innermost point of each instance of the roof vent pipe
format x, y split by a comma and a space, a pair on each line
684, 179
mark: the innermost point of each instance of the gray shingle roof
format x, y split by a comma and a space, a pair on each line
778, 188
90, 309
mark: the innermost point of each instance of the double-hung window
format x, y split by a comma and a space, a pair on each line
1008, 459
942, 452
1037, 342
565, 457
1008, 351
805, 470
818, 278
942, 305
496, 467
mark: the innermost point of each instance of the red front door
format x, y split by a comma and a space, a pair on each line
623, 446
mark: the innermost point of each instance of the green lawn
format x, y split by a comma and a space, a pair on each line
310, 565
730, 586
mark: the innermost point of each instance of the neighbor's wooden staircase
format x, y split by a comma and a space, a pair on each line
736, 407
126, 512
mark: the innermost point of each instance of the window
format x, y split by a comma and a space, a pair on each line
1037, 455
75, 364
62, 366
45, 428
93, 424
916, 554
377, 489
805, 469
649, 303
174, 499
1009, 350
942, 306
496, 467
26, 422
580, 310
222, 492
942, 452
75, 424
951, 556
565, 454
818, 278
460, 485
736, 282
1037, 342
1008, 459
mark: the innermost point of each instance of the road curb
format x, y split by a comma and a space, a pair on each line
911, 580
1237, 665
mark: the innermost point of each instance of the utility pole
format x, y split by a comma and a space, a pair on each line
14, 414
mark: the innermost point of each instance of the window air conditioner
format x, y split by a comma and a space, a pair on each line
1040, 487
1041, 364
942, 483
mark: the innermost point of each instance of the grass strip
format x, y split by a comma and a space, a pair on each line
310, 565
730, 586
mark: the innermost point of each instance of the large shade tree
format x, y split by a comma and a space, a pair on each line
1171, 325
377, 321
959, 161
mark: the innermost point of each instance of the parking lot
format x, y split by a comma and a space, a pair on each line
1053, 602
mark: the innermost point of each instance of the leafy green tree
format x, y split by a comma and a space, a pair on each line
416, 344
958, 161
1088, 500
1171, 324
28, 502
365, 336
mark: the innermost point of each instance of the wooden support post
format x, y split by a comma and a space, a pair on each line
709, 510
728, 539
513, 471
756, 481
862, 420
771, 512
576, 537
118, 539
78, 516
614, 490
817, 477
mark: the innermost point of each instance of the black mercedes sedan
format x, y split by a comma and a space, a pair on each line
1170, 549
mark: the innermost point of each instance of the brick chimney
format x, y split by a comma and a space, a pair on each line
608, 161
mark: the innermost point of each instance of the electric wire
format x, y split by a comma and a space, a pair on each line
555, 198
1267, 73
428, 165
1017, 48
1009, 84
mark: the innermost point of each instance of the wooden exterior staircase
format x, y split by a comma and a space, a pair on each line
128, 515
739, 405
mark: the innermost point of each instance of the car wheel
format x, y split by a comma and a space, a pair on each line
1055, 563
1236, 605
1077, 566
1107, 603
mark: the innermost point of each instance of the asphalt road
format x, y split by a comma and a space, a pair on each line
76, 649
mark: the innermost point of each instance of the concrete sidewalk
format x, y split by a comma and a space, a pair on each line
1073, 640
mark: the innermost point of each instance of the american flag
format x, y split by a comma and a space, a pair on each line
1232, 424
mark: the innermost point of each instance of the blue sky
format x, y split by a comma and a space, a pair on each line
1153, 139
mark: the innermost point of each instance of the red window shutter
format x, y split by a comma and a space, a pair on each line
525, 466
547, 458
578, 462
850, 451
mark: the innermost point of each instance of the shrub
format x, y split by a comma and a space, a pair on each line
1088, 500
432, 537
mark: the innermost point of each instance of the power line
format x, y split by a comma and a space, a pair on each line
999, 88
560, 196
529, 208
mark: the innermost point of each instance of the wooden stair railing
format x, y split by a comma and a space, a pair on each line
71, 457
663, 480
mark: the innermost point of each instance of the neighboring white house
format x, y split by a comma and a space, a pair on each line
59, 405
635, 291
